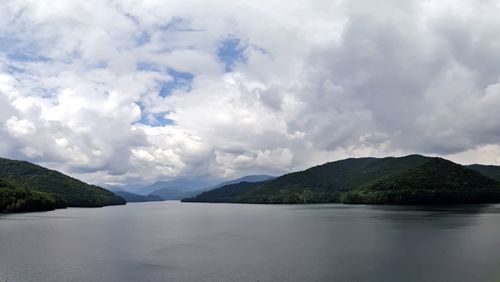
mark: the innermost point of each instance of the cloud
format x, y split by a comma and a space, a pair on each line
19, 128
127, 91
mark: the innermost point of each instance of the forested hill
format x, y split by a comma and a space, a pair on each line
438, 181
14, 198
353, 180
64, 190
492, 171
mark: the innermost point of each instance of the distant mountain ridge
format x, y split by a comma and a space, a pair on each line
136, 198
178, 189
405, 180
173, 193
176, 186
64, 190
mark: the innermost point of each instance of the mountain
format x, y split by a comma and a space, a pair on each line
64, 190
173, 192
135, 198
248, 178
168, 190
319, 184
438, 181
172, 187
176, 189
132, 188
348, 180
492, 171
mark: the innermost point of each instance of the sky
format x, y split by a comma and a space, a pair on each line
116, 92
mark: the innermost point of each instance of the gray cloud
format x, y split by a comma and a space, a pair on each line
321, 80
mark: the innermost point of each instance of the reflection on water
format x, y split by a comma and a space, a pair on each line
449, 209
223, 242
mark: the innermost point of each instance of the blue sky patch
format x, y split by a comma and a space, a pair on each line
180, 80
230, 52
143, 39
158, 119
143, 66
17, 50
154, 119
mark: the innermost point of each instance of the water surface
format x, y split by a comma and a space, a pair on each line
170, 241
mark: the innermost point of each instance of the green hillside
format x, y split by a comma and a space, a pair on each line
438, 181
231, 193
492, 171
17, 199
65, 190
336, 181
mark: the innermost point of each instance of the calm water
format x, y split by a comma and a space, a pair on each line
171, 241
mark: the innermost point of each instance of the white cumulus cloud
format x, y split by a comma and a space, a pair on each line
121, 91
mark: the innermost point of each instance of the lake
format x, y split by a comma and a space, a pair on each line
173, 241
